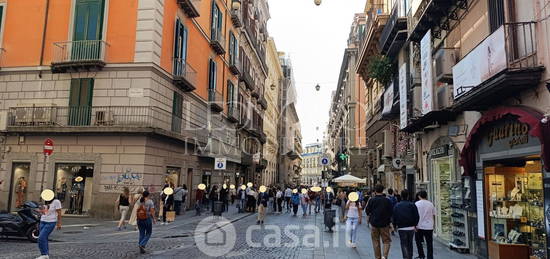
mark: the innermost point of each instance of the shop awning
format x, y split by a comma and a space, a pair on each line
538, 124
381, 168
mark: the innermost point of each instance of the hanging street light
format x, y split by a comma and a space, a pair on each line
236, 5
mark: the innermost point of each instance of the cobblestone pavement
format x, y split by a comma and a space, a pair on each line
282, 236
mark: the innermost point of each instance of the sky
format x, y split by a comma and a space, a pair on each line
315, 38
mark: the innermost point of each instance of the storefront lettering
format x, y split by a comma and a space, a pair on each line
518, 132
439, 151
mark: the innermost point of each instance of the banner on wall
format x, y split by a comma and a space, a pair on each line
427, 72
403, 96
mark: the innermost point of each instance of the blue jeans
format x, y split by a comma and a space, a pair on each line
145, 230
351, 228
317, 205
46, 228
304, 208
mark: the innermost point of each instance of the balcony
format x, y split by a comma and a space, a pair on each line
78, 56
233, 113
215, 100
263, 103
185, 77
434, 14
217, 42
249, 82
502, 65
190, 7
237, 18
394, 34
234, 65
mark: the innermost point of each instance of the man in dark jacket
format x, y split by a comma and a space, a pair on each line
405, 218
379, 209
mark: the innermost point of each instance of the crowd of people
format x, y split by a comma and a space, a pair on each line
386, 212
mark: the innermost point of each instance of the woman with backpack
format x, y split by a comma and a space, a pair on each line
123, 203
145, 219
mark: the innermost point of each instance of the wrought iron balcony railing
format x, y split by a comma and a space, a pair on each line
215, 100
232, 112
234, 65
237, 18
217, 41
79, 55
185, 76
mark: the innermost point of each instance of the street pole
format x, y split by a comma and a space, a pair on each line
43, 173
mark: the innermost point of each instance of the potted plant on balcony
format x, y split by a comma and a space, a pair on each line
380, 69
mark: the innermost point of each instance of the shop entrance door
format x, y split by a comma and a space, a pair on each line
19, 185
442, 178
73, 186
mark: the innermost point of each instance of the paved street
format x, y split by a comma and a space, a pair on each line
297, 239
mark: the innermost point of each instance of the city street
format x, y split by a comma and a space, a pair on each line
298, 238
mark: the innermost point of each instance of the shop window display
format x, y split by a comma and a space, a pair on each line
73, 187
515, 207
20, 184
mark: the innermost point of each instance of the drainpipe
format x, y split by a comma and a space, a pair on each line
44, 36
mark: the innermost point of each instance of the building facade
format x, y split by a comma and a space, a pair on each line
311, 165
464, 112
153, 93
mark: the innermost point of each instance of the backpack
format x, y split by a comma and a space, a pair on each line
141, 212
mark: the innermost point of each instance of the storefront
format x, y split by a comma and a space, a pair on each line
505, 155
19, 185
443, 178
73, 186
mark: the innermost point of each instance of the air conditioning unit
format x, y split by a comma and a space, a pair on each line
445, 59
388, 143
104, 118
417, 102
44, 115
444, 97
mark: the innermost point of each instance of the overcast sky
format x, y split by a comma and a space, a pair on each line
315, 38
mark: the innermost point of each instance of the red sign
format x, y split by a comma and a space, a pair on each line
48, 147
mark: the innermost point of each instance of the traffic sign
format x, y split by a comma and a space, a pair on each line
325, 160
220, 164
48, 147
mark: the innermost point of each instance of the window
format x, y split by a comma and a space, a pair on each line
211, 75
233, 49
177, 112
230, 94
80, 101
180, 48
2, 10
88, 20
496, 14
217, 21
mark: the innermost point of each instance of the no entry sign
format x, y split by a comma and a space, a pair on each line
48, 147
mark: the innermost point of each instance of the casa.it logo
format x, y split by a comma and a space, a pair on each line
215, 236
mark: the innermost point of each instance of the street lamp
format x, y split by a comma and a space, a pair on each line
236, 5
317, 2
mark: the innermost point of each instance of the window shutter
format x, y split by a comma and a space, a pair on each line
177, 63
184, 43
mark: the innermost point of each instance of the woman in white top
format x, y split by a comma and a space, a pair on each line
133, 217
353, 216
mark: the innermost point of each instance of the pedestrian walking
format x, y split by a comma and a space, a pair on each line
380, 210
233, 194
328, 199
353, 218
393, 200
213, 196
341, 203
272, 198
167, 205
49, 220
263, 198
133, 217
242, 200
185, 192
178, 199
304, 201
425, 227
123, 205
310, 197
288, 195
224, 197
279, 198
317, 200
199, 201
405, 219
295, 199
145, 220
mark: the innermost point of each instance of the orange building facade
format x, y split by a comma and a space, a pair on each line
134, 94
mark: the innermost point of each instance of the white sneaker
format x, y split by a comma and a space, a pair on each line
353, 245
43, 257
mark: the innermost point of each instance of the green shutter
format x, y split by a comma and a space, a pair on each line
80, 101
177, 112
1, 15
88, 21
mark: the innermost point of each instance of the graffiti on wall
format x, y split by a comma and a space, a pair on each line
114, 183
